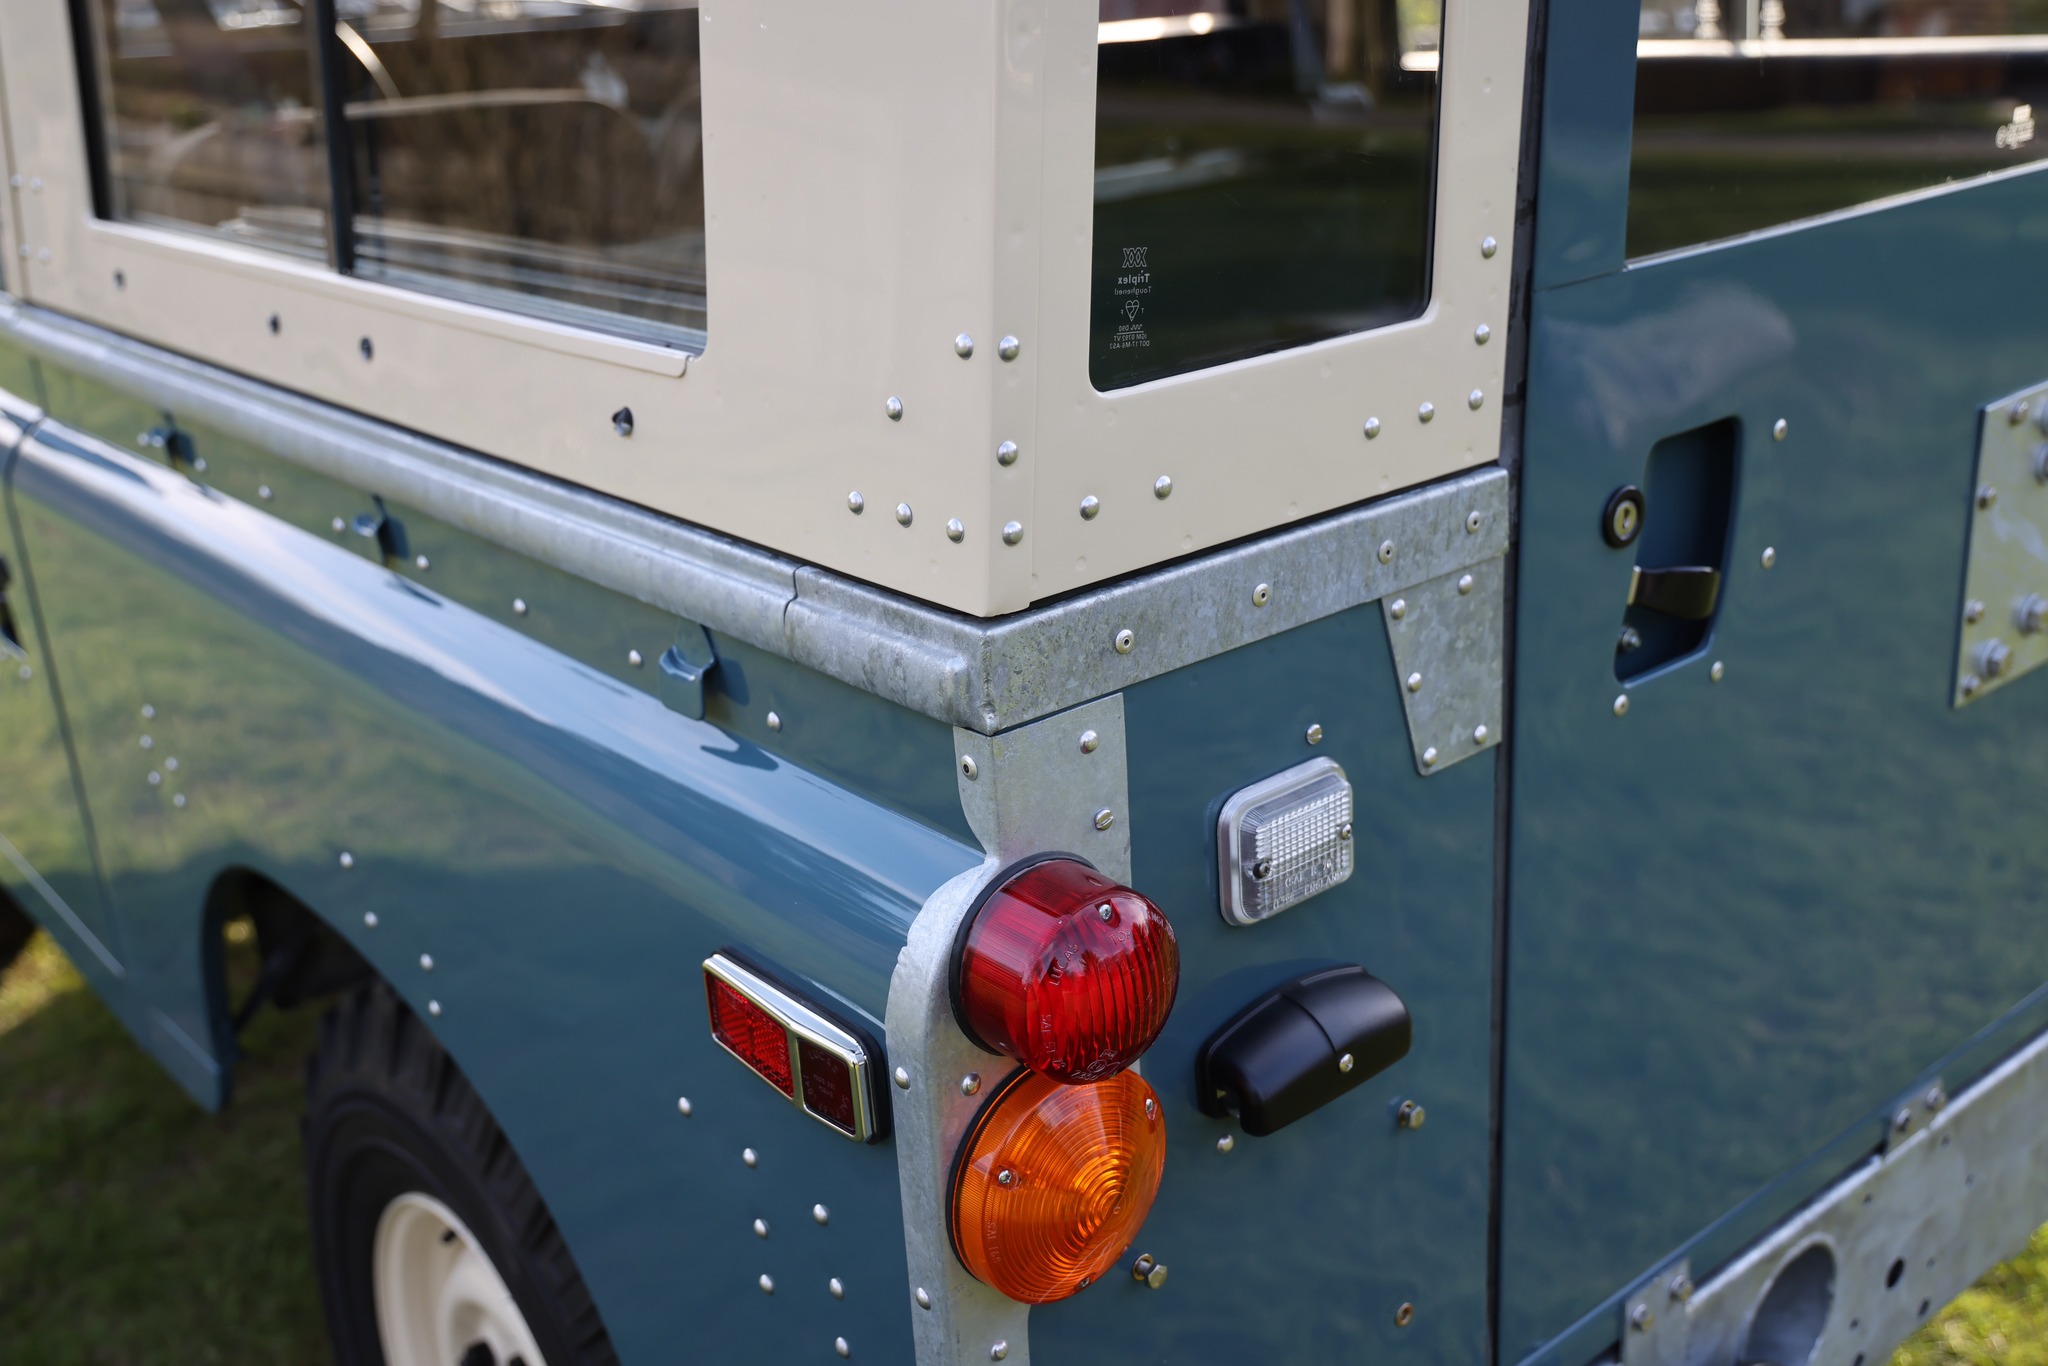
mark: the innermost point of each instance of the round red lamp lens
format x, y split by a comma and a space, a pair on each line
1067, 972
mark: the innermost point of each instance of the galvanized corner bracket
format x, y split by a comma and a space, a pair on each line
1059, 785
1655, 1321
1448, 639
2002, 631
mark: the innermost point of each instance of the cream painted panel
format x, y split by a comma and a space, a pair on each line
1263, 442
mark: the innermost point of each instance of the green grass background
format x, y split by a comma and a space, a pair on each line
136, 1229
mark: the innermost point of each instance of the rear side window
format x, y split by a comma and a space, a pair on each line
1753, 114
1263, 175
541, 156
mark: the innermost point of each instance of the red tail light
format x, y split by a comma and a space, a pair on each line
1066, 971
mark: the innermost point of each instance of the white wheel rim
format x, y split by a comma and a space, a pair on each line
438, 1296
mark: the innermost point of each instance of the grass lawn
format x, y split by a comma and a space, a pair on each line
136, 1230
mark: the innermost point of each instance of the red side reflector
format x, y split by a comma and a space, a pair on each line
752, 1034
828, 1086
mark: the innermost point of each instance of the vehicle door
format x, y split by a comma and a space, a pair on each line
1771, 872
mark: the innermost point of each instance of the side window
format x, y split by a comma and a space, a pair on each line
541, 156
1750, 115
1263, 174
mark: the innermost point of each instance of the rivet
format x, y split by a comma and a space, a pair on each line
968, 768
1641, 1318
1474, 520
1769, 557
348, 860
1476, 399
1346, 1063
426, 962
904, 514
1090, 506
1398, 608
836, 1287
1386, 552
1680, 1288
760, 1228
1481, 333
519, 607
1970, 685
767, 1284
821, 1214
1013, 532
1936, 1099
35, 184
1105, 818
1715, 671
1006, 454
1125, 641
894, 408
1405, 1315
839, 1346
365, 347
683, 1106
902, 1077
750, 1157
854, 502
1226, 1143
1779, 429
1487, 247
774, 721
622, 422
337, 524
1429, 757
1314, 733
1262, 595
1372, 428
1903, 1120
1006, 1177
1986, 496
956, 530
434, 1009
970, 1084
148, 742
178, 801
155, 778
963, 346
1162, 487
1415, 682
148, 712
2017, 413
1425, 412
633, 657
1973, 611
1621, 705
263, 492
1089, 740
421, 562
1008, 348
1479, 734
998, 1351
923, 1298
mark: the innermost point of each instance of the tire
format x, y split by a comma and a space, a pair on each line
410, 1183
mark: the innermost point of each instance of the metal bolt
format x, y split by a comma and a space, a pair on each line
1262, 869
1621, 705
1226, 1143
1262, 595
1986, 496
894, 408
1769, 557
421, 562
775, 721
1475, 400
1106, 913
426, 962
622, 422
1125, 641
902, 1078
1105, 818
903, 514
1641, 1318
767, 1284
1008, 348
634, 658
369, 920
1090, 506
1386, 552
2030, 613
348, 860
750, 1157
1465, 582
1481, 333
923, 1298
1346, 1063
1006, 1177
1006, 454
1936, 1099
1479, 734
760, 1228
1680, 1289
1429, 757
1013, 532
963, 346
1903, 1120
839, 1346
970, 1084
1487, 247
434, 1009
1410, 1115
1973, 611
968, 768
2017, 413
1314, 733
1089, 740
1162, 487
1405, 1315
519, 607
1148, 1271
1778, 430
1425, 412
854, 502
1994, 657
1716, 670
1415, 682
1372, 428
1398, 608
683, 1106
1970, 685
1344, 831
956, 530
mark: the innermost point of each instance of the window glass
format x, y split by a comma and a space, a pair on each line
210, 121
542, 155
1263, 174
1759, 113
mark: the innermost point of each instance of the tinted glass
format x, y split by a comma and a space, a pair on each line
211, 121
542, 155
1765, 113
1262, 177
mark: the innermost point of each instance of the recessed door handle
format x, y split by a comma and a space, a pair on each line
1685, 591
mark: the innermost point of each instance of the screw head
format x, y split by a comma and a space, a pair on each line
1262, 595
622, 422
956, 530
1386, 552
1013, 532
1474, 520
1779, 429
1008, 348
1372, 428
971, 1085
1425, 412
894, 408
903, 514
1475, 400
1125, 641
963, 346
1090, 506
968, 768
1089, 741
1162, 487
1621, 705
1006, 454
1487, 247
1314, 734
1006, 1177
1105, 818
1106, 913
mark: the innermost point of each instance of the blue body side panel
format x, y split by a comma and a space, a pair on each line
564, 847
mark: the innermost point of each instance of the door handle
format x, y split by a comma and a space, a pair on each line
1685, 591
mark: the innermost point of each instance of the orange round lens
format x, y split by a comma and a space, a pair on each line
1054, 1182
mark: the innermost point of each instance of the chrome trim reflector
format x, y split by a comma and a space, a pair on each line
805, 1025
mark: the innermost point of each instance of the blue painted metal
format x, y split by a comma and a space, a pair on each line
564, 846
1303, 1245
1748, 915
1589, 69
